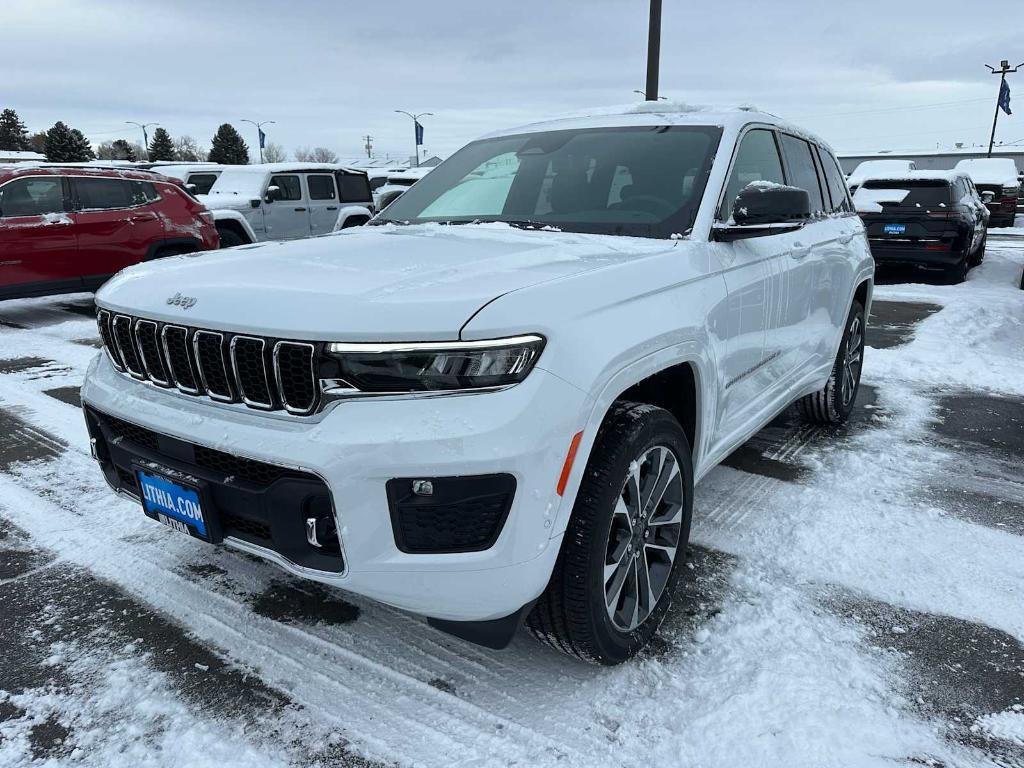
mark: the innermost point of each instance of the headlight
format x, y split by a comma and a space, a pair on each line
436, 366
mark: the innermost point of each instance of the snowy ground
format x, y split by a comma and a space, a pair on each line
854, 598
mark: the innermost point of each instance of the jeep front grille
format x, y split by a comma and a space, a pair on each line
265, 374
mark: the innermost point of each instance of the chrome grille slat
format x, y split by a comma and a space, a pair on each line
237, 369
213, 373
124, 340
151, 352
248, 358
103, 320
295, 375
179, 361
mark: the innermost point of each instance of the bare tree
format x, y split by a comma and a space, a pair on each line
187, 148
315, 155
274, 153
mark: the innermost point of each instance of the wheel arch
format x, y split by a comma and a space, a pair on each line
672, 379
234, 226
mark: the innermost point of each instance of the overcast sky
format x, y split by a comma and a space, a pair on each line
864, 74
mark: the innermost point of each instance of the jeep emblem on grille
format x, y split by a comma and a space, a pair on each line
185, 302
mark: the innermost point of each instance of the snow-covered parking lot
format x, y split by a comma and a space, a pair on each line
855, 598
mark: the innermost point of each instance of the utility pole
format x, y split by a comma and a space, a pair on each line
1004, 70
145, 136
644, 95
417, 129
260, 135
653, 51
368, 145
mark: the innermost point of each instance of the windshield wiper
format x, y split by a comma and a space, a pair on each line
523, 224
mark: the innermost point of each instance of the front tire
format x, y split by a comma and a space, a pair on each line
229, 238
834, 403
626, 541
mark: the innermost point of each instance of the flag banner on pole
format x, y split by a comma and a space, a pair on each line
1004, 97
263, 139
419, 133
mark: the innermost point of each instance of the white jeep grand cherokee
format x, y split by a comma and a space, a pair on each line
491, 404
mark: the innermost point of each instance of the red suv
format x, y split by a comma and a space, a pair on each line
65, 229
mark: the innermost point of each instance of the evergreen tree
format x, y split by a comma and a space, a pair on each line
67, 145
161, 147
13, 133
228, 148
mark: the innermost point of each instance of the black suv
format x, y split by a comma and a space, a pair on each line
930, 219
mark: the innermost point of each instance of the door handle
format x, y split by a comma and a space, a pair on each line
332, 207
799, 250
299, 210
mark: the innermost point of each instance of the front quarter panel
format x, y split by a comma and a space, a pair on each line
611, 328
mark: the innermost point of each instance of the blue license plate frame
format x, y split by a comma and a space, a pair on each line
177, 503
895, 229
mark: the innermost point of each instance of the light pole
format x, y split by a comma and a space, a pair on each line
145, 136
416, 129
259, 133
1004, 70
653, 51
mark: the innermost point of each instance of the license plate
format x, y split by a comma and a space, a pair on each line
895, 229
176, 505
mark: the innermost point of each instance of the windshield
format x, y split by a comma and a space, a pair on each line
645, 181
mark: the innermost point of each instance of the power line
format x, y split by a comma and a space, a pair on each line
893, 109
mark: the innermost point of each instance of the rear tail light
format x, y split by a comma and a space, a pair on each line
943, 214
939, 247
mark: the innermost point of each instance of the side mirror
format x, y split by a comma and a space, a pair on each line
273, 193
764, 208
191, 188
987, 197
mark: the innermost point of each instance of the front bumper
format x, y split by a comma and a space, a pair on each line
357, 446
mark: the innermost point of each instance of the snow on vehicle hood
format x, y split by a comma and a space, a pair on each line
232, 202
378, 283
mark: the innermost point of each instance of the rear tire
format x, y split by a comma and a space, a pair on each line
834, 403
958, 272
623, 551
979, 254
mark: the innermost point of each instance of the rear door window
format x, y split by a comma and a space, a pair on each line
757, 159
321, 186
802, 172
143, 192
288, 187
34, 196
837, 189
101, 194
355, 188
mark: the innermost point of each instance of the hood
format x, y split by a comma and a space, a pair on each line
377, 283
229, 201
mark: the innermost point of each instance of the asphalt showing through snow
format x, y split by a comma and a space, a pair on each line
65, 626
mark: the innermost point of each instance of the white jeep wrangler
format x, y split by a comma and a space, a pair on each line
491, 405
287, 201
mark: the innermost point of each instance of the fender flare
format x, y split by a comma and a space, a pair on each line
692, 352
229, 214
348, 211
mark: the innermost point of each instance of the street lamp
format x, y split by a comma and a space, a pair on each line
259, 133
416, 129
145, 136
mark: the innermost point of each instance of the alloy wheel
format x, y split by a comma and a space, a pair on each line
643, 538
853, 357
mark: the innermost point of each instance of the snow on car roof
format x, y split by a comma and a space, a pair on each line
990, 170
247, 180
658, 113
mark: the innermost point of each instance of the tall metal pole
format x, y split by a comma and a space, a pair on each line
259, 130
145, 135
415, 131
1003, 71
653, 51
